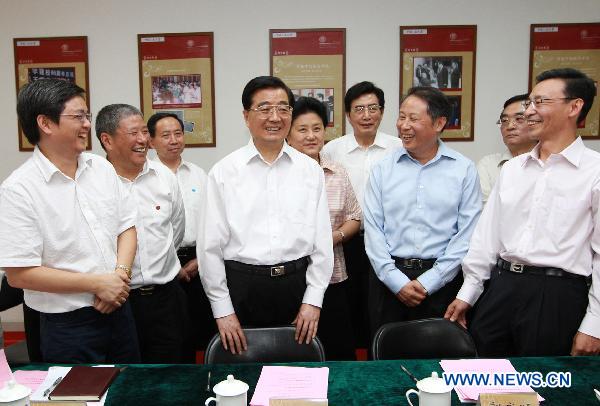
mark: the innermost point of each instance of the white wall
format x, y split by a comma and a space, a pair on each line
241, 50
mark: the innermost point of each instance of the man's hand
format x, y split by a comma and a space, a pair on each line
306, 323
412, 294
232, 335
103, 307
584, 344
457, 311
189, 270
113, 288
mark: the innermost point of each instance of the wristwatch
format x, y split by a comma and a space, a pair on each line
125, 268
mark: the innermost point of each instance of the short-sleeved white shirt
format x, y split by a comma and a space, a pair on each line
48, 219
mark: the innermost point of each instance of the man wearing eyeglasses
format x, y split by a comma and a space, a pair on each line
264, 235
357, 152
67, 232
538, 239
421, 206
157, 299
515, 135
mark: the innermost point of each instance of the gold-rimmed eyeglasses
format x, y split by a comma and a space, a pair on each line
266, 110
80, 116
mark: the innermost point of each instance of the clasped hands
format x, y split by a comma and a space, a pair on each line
112, 291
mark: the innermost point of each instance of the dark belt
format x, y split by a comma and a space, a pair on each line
147, 290
417, 264
186, 254
536, 270
284, 268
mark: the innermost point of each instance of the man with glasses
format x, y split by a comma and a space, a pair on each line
421, 206
538, 240
157, 299
264, 236
67, 232
357, 152
515, 135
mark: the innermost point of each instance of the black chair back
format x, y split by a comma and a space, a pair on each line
427, 338
269, 344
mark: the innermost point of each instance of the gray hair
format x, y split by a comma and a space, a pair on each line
110, 116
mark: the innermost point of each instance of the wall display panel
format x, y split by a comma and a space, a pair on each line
313, 63
177, 76
568, 46
63, 58
443, 57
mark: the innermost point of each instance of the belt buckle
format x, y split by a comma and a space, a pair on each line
146, 290
278, 270
517, 268
413, 263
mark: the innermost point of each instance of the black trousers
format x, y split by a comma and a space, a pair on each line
385, 307
528, 315
87, 336
358, 268
161, 322
265, 301
202, 325
335, 327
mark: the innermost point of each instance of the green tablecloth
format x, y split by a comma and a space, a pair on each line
350, 383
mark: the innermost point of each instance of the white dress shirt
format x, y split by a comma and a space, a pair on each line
264, 214
358, 160
542, 214
488, 169
48, 219
192, 183
160, 224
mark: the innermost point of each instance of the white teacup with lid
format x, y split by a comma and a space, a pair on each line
433, 391
230, 392
14, 394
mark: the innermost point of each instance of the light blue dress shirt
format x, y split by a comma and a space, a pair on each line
421, 211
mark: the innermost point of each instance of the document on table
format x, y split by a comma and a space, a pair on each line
31, 379
283, 382
470, 393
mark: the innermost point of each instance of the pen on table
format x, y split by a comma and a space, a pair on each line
51, 387
407, 372
208, 383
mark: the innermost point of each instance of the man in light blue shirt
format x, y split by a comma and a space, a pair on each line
421, 206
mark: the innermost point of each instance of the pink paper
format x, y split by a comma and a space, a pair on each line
31, 379
5, 372
282, 382
482, 366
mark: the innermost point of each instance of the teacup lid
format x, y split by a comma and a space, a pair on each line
13, 391
230, 387
433, 384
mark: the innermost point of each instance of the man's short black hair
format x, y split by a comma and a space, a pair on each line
310, 105
47, 97
438, 104
361, 89
577, 85
514, 99
156, 117
109, 118
264, 82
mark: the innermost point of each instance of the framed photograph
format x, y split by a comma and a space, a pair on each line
177, 76
63, 58
568, 46
312, 62
443, 57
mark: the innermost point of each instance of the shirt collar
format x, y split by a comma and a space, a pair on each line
505, 157
352, 144
249, 152
443, 150
572, 153
48, 168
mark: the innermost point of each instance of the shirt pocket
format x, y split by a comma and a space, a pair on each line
567, 214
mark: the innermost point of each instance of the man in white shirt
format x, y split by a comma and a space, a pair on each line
264, 237
515, 136
67, 232
167, 138
357, 152
157, 300
538, 239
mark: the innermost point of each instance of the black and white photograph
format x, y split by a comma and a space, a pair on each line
454, 119
442, 72
325, 96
